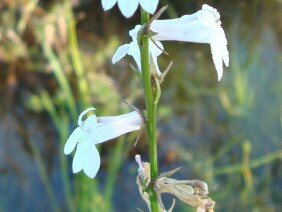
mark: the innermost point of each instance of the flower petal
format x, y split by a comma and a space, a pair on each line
111, 119
91, 160
80, 122
76, 136
108, 4
209, 16
134, 51
149, 5
134, 32
219, 52
77, 159
223, 47
120, 53
89, 123
155, 52
212, 10
131, 122
128, 7
217, 58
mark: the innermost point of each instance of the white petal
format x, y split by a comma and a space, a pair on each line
155, 52
212, 10
217, 58
209, 17
128, 7
111, 119
134, 32
91, 160
76, 136
120, 53
112, 131
155, 61
80, 122
108, 4
223, 47
77, 159
157, 48
134, 51
89, 123
149, 5
131, 122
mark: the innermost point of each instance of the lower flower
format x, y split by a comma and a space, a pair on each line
95, 130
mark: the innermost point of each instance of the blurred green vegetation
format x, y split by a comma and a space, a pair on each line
55, 61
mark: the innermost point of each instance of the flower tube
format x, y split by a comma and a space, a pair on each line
203, 26
96, 130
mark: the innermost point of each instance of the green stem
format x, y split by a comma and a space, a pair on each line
151, 106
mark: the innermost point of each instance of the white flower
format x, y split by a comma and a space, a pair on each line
203, 26
133, 49
95, 130
128, 7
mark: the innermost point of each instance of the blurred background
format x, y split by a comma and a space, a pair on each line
55, 61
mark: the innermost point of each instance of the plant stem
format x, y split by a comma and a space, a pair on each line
151, 106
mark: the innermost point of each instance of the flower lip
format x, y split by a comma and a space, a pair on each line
77, 135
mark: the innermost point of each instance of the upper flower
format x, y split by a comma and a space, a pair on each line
133, 49
128, 7
96, 130
203, 26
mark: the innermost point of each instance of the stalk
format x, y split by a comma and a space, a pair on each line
151, 107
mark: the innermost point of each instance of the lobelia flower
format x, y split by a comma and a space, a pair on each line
133, 49
95, 130
203, 26
128, 7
